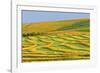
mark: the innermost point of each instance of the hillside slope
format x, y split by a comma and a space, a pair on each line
55, 25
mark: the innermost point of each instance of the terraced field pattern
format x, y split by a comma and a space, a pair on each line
56, 40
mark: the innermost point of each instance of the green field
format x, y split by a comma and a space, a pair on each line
56, 40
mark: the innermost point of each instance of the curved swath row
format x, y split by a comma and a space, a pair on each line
66, 46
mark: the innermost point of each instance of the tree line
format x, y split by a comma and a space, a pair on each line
34, 34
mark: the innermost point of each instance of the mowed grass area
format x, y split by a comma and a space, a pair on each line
58, 44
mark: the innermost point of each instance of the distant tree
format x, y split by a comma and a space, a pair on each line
34, 34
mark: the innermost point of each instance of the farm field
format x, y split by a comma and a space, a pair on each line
56, 40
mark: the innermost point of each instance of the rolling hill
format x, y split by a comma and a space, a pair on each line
56, 40
49, 26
